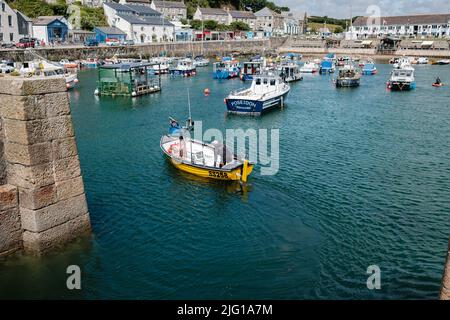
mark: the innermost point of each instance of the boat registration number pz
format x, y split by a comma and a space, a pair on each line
218, 174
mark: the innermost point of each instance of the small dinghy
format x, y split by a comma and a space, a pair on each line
209, 160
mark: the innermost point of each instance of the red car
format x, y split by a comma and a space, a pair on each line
25, 43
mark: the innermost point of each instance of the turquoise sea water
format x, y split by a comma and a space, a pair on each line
364, 180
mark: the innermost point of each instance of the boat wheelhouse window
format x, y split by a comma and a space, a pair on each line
258, 81
272, 82
265, 81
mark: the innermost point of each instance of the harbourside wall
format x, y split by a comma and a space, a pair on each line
43, 203
209, 48
445, 288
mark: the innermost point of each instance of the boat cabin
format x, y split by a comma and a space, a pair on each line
127, 79
402, 73
266, 83
252, 68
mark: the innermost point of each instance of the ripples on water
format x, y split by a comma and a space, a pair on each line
364, 179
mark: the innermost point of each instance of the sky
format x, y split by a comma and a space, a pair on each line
343, 8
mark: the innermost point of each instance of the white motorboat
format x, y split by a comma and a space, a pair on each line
309, 67
267, 91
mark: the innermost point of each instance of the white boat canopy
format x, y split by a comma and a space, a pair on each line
427, 43
366, 42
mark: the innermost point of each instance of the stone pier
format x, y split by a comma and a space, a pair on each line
445, 288
42, 199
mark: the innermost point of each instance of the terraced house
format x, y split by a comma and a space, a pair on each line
9, 31
269, 21
424, 25
219, 15
140, 23
171, 10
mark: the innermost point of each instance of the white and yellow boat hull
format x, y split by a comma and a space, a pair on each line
237, 171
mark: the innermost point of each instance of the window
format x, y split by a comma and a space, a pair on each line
3, 7
265, 81
1, 37
272, 82
11, 37
258, 81
10, 21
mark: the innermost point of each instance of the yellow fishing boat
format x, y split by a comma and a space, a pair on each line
208, 160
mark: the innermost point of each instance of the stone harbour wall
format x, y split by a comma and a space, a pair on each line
445, 288
43, 203
208, 48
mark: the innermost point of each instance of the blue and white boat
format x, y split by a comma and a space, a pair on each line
327, 67
369, 68
184, 67
201, 61
268, 91
402, 77
226, 69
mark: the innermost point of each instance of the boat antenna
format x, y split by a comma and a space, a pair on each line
189, 120
189, 104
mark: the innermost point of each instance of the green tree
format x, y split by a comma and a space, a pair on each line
196, 24
210, 25
338, 29
239, 26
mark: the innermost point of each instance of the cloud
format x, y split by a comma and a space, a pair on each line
346, 8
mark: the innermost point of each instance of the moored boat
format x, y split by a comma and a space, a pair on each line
226, 69
267, 91
402, 77
327, 67
89, 63
309, 67
184, 67
47, 69
209, 160
369, 68
348, 76
201, 61
290, 72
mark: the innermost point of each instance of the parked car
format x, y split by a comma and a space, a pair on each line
128, 43
112, 42
4, 68
8, 45
91, 43
25, 43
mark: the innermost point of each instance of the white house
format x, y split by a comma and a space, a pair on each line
291, 23
269, 21
424, 25
9, 32
145, 29
219, 15
112, 9
171, 10
140, 23
50, 29
247, 17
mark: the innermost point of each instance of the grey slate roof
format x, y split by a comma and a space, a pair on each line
213, 11
110, 30
242, 14
405, 20
169, 4
153, 21
267, 12
45, 20
132, 8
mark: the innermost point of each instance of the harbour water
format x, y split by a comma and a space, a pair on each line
364, 180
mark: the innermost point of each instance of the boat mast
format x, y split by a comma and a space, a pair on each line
189, 107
